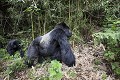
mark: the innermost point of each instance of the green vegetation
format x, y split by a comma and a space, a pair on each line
110, 37
104, 76
55, 70
97, 20
15, 65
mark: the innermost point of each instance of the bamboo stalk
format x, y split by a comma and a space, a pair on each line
44, 24
32, 26
39, 25
69, 14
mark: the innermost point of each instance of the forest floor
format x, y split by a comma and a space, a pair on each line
89, 65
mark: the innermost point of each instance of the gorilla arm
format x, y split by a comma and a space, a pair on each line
67, 55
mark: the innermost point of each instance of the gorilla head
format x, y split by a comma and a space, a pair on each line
65, 28
54, 44
13, 46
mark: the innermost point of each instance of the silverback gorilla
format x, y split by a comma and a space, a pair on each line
54, 44
13, 46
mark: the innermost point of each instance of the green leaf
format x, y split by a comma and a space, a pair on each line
117, 22
117, 71
115, 65
113, 27
55, 70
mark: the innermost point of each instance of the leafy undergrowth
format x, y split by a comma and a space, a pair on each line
110, 38
89, 66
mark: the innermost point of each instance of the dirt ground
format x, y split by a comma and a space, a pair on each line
86, 56
85, 69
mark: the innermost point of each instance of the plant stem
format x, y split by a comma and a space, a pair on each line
32, 26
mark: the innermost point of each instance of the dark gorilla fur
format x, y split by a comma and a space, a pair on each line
13, 46
54, 44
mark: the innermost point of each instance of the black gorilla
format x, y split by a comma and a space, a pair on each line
54, 44
13, 46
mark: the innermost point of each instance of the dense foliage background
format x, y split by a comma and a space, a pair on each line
36, 17
89, 20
